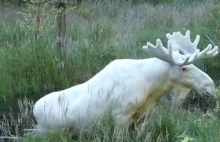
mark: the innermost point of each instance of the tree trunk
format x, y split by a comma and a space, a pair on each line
38, 19
61, 33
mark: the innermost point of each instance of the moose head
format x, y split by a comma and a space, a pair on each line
180, 54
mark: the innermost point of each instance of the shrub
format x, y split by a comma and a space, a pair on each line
214, 18
34, 68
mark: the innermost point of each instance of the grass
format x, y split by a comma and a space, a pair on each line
98, 33
167, 124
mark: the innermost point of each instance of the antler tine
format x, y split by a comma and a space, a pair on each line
176, 43
165, 54
185, 60
187, 34
187, 47
158, 51
196, 41
184, 43
208, 52
194, 56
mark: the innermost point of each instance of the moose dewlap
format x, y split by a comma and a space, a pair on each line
128, 88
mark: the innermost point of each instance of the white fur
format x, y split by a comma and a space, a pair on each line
128, 88
178, 95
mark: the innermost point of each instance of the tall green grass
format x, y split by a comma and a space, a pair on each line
98, 33
165, 125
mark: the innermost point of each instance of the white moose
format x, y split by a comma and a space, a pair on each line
129, 88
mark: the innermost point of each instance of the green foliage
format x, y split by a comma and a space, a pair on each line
59, 136
210, 34
212, 23
214, 18
39, 16
99, 33
85, 11
27, 70
165, 125
32, 67
157, 2
217, 93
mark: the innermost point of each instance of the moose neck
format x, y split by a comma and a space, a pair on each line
159, 73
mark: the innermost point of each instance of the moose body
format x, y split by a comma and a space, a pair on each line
125, 86
129, 88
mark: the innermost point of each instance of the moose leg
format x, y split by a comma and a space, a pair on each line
146, 114
150, 110
123, 121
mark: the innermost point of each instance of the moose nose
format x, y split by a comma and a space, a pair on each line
210, 91
207, 93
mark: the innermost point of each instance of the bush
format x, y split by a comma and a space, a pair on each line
214, 18
33, 68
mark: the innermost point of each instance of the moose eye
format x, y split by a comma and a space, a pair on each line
184, 69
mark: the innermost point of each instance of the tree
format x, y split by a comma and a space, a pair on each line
61, 33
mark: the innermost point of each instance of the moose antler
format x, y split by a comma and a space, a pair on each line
184, 44
170, 55
180, 48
